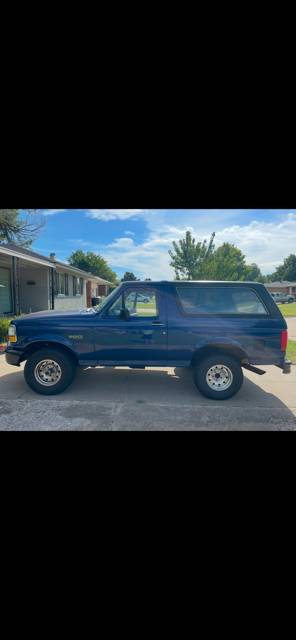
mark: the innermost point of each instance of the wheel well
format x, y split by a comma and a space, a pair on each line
226, 349
36, 346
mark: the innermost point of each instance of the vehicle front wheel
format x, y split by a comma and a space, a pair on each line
49, 371
218, 376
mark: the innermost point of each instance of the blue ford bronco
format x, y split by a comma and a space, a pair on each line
217, 328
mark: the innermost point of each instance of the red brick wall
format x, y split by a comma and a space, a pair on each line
278, 289
88, 294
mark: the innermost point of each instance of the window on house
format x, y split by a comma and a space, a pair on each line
81, 286
62, 284
5, 291
75, 286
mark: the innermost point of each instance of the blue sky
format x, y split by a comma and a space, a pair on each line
138, 239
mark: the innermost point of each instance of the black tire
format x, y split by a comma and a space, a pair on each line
202, 369
67, 371
291, 300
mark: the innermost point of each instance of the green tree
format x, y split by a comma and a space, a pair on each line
93, 263
287, 270
129, 277
189, 258
227, 263
253, 273
20, 228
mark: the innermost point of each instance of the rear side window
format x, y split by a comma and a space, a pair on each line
220, 300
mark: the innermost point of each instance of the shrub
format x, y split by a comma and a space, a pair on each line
4, 324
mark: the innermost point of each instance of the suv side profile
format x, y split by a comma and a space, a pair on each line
216, 328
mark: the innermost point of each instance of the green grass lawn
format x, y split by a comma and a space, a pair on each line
288, 310
291, 351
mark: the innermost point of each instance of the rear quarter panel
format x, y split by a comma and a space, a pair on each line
258, 337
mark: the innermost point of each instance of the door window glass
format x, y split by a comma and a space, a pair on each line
141, 303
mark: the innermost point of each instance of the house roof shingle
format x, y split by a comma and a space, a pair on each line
283, 283
27, 253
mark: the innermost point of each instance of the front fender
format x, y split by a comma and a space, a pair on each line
28, 341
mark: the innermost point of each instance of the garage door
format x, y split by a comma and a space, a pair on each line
5, 291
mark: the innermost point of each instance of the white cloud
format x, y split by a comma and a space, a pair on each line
266, 243
114, 214
263, 242
122, 243
51, 212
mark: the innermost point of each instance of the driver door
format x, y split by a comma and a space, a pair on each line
133, 330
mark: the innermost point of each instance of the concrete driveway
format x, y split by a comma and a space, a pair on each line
155, 399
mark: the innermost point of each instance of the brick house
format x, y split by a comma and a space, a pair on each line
32, 282
282, 287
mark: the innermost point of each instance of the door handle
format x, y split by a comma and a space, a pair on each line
158, 324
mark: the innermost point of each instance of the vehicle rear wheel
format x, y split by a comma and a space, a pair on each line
49, 371
218, 376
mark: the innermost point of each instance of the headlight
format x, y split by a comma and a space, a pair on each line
12, 337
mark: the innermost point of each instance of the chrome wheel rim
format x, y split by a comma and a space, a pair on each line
48, 373
219, 377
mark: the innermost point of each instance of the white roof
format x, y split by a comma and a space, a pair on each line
16, 251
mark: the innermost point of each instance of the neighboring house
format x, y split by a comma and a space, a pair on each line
31, 282
282, 287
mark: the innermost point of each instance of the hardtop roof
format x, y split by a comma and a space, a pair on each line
148, 283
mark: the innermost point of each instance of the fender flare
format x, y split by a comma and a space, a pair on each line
34, 343
231, 347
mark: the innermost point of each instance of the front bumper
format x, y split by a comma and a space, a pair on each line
13, 358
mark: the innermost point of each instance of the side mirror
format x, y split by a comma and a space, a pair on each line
124, 314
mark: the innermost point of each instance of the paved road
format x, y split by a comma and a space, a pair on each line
157, 399
291, 322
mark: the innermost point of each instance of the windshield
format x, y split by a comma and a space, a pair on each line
100, 307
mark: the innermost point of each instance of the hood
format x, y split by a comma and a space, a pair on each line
53, 315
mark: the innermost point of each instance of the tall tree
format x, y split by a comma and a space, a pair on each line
20, 228
227, 263
129, 276
189, 258
287, 270
253, 273
93, 263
